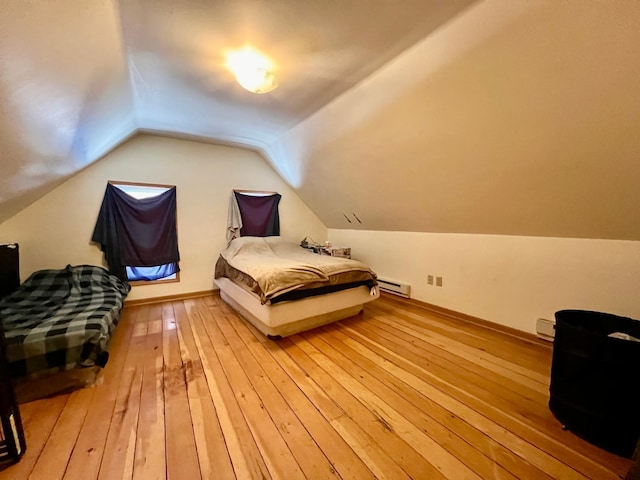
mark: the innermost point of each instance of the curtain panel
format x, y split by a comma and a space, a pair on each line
260, 217
137, 232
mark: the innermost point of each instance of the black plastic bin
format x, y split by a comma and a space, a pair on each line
595, 379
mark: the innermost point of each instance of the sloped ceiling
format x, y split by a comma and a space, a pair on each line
512, 117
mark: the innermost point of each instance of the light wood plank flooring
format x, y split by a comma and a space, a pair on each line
191, 391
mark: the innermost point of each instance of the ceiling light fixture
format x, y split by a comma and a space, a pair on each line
252, 70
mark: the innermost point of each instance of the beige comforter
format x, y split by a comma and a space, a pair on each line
278, 265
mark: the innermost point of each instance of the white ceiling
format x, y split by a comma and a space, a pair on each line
503, 116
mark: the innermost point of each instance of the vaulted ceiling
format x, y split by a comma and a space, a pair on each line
512, 117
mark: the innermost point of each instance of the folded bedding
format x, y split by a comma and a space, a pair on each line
58, 319
272, 267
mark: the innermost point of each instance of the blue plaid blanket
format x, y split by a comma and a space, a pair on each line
59, 319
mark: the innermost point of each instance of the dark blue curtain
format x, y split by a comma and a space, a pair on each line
137, 232
260, 217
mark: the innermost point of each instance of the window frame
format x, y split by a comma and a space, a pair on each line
117, 183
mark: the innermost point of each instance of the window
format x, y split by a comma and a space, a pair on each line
137, 231
253, 213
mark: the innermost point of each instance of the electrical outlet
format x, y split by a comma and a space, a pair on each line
438, 281
429, 279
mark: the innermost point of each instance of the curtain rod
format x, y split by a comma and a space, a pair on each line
141, 184
266, 192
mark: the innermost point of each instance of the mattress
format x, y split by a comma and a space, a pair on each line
59, 319
274, 266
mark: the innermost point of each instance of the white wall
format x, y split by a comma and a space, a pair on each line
514, 118
56, 230
509, 280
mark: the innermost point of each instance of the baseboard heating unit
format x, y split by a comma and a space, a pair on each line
545, 329
397, 288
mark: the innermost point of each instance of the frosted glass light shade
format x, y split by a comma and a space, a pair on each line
258, 80
252, 70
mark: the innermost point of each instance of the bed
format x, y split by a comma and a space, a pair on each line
61, 319
283, 289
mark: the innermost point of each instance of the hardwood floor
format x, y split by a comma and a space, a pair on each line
191, 391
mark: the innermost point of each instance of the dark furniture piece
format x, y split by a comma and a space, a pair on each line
594, 387
9, 268
12, 443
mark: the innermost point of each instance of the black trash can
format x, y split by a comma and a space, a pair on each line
595, 378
